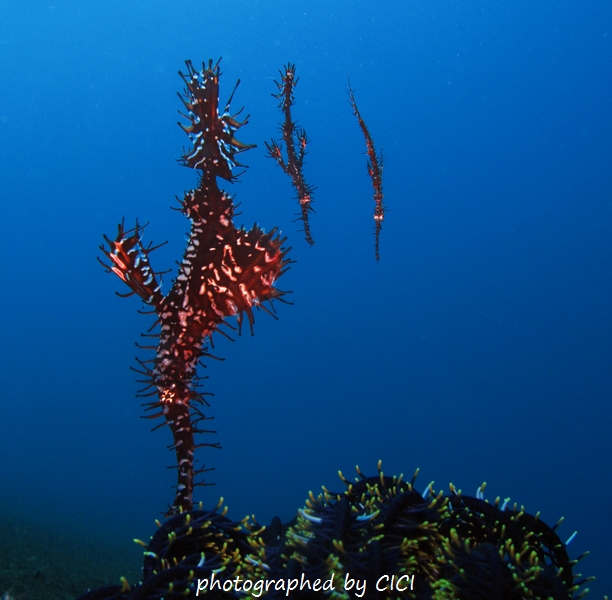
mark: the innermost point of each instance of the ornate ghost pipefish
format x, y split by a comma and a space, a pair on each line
225, 272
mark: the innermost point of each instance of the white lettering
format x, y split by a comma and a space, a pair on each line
382, 589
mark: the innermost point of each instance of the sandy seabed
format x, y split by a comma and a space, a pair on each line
40, 563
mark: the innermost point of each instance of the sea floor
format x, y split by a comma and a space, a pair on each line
39, 563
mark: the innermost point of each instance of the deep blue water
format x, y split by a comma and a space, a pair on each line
479, 348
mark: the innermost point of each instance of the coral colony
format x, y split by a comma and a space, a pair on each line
378, 537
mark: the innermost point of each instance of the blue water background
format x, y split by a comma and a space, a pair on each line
478, 349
